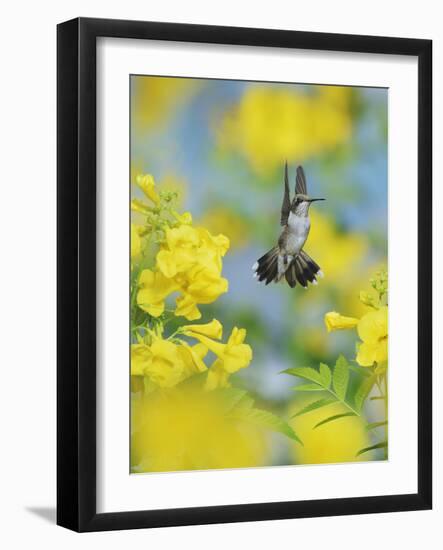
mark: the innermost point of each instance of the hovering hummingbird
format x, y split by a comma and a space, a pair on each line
288, 259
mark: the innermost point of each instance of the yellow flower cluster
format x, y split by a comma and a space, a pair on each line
372, 327
271, 124
189, 262
167, 362
186, 426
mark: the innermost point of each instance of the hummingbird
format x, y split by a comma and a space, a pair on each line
288, 259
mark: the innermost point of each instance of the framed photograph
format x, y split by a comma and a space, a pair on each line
244, 274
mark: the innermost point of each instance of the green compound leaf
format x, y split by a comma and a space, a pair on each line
340, 377
268, 420
308, 387
362, 392
305, 372
332, 418
315, 405
326, 376
381, 445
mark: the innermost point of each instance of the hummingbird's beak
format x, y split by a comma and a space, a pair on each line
313, 200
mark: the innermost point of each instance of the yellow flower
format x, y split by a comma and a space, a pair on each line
199, 286
187, 307
189, 430
160, 361
261, 126
217, 377
147, 185
335, 321
135, 242
154, 288
373, 330
234, 355
192, 357
167, 363
180, 250
337, 441
190, 262
186, 246
214, 329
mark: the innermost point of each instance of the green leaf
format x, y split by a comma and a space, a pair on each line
308, 387
271, 421
332, 418
364, 371
315, 405
376, 397
230, 398
305, 372
373, 425
340, 377
362, 392
245, 403
326, 376
381, 445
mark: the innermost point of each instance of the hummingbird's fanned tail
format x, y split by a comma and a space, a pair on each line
272, 267
266, 267
302, 269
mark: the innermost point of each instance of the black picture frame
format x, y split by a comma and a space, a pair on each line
76, 279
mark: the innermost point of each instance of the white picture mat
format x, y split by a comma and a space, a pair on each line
117, 490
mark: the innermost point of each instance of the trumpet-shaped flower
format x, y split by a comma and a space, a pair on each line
232, 356
201, 285
147, 185
190, 262
186, 246
192, 357
160, 361
167, 363
154, 288
373, 331
335, 321
214, 329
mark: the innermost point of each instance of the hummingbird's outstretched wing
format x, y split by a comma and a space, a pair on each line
300, 182
286, 206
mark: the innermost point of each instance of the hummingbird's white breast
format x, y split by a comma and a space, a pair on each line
298, 230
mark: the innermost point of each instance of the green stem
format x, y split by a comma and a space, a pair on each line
332, 392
